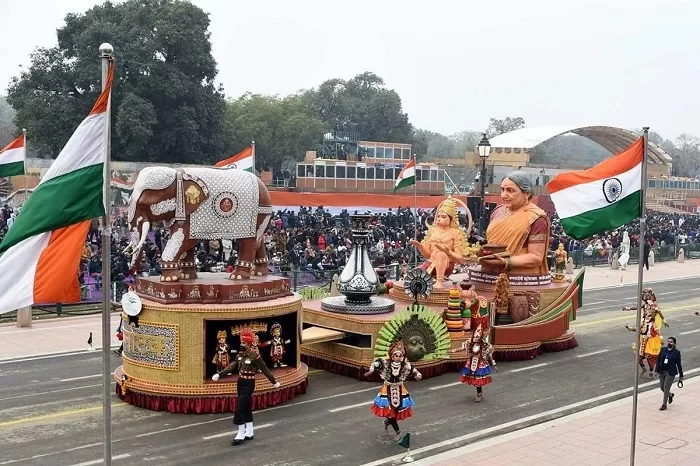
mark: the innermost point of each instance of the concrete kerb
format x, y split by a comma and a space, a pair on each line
479, 440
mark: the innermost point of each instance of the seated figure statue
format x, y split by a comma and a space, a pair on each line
522, 227
445, 244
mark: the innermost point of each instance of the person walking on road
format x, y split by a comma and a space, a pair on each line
668, 366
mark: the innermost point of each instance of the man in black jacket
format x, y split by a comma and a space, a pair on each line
668, 366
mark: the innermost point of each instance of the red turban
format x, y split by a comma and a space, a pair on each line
247, 336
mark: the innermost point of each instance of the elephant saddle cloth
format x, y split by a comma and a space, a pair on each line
231, 209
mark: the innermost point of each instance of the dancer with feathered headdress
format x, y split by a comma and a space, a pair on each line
393, 401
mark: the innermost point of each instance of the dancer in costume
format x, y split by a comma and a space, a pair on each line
477, 371
650, 339
393, 401
247, 364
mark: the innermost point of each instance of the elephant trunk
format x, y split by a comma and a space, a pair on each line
137, 242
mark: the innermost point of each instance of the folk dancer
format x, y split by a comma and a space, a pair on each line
393, 401
247, 364
477, 370
650, 339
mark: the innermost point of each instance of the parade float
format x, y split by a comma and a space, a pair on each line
182, 327
526, 308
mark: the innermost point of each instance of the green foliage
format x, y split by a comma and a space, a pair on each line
311, 293
8, 130
501, 126
282, 128
165, 106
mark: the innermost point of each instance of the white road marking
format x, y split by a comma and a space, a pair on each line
453, 384
82, 378
594, 352
367, 403
231, 432
58, 354
314, 400
506, 425
530, 367
690, 331
156, 432
100, 461
5, 398
593, 304
687, 323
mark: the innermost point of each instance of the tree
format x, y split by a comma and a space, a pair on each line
8, 130
364, 105
283, 129
505, 125
165, 106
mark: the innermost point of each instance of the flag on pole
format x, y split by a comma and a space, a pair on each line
601, 198
405, 440
12, 158
407, 176
40, 255
242, 161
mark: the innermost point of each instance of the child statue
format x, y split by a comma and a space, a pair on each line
560, 257
445, 244
277, 344
222, 356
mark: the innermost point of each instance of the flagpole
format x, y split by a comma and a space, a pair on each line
106, 55
26, 191
415, 209
640, 284
252, 144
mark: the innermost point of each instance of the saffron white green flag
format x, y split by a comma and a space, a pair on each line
12, 158
407, 176
40, 255
601, 198
244, 160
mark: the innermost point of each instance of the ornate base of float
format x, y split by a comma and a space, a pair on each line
344, 344
170, 350
212, 397
337, 304
213, 288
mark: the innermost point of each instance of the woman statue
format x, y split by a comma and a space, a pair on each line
520, 225
624, 250
445, 244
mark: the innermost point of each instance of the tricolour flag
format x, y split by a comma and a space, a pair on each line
242, 161
407, 176
12, 158
40, 255
601, 198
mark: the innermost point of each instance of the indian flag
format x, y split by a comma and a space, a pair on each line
601, 198
12, 158
40, 255
407, 176
242, 161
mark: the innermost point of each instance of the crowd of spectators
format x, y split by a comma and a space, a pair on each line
317, 243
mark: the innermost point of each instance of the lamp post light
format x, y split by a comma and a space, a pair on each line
484, 151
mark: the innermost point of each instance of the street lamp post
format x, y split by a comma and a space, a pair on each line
484, 150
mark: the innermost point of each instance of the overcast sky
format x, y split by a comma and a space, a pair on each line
627, 63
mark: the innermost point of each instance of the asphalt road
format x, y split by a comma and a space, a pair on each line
51, 411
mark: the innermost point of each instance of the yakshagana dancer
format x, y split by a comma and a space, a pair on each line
477, 370
393, 401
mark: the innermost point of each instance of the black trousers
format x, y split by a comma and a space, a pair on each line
244, 403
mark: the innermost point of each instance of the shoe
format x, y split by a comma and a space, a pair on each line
662, 408
250, 438
236, 441
670, 398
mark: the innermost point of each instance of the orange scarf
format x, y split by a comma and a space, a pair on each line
513, 231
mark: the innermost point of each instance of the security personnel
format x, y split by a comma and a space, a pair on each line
247, 364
